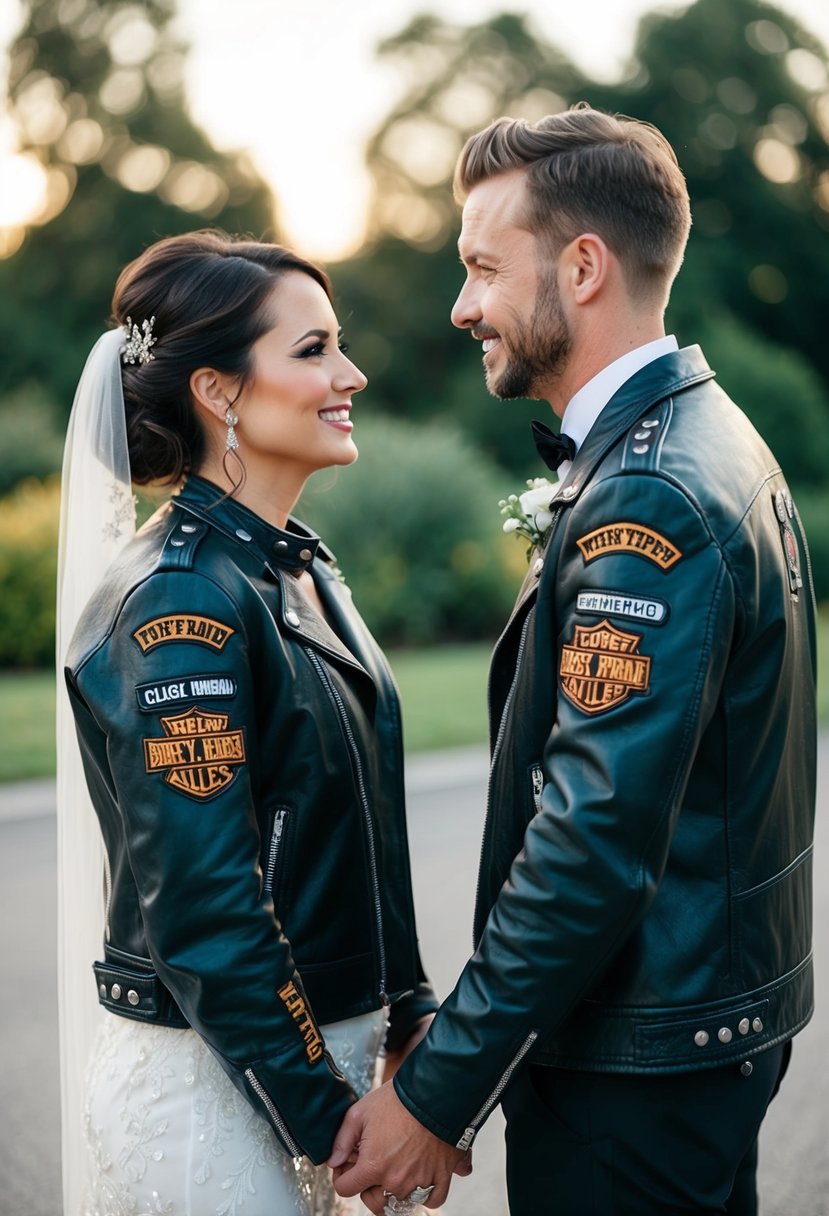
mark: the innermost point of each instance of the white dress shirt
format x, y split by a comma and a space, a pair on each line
584, 408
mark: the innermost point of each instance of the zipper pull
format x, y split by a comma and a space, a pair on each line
384, 997
538, 786
466, 1139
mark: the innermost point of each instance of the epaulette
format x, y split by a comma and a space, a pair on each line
645, 438
181, 544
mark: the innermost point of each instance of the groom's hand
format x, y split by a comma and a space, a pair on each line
395, 1153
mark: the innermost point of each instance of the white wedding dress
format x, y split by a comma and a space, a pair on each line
168, 1134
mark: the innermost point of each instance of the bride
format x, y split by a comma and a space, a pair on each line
237, 790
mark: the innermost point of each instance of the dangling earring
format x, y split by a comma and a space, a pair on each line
232, 450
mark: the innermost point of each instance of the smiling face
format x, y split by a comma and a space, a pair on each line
295, 410
510, 300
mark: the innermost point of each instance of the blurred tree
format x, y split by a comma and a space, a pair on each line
740, 90
96, 94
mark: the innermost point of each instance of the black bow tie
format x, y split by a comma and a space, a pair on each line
552, 448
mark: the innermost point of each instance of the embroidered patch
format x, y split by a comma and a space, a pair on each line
616, 603
629, 538
295, 1004
601, 667
198, 752
180, 627
184, 688
784, 509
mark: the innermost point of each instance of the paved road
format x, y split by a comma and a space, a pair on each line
446, 808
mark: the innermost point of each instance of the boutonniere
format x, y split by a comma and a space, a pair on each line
529, 514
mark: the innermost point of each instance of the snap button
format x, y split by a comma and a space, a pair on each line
744, 1025
292, 618
747, 1068
642, 435
280, 545
640, 448
177, 544
569, 491
102, 989
538, 566
724, 1034
701, 1038
115, 992
133, 997
188, 528
243, 535
651, 422
757, 1025
305, 555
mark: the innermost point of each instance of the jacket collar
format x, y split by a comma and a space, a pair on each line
293, 548
661, 378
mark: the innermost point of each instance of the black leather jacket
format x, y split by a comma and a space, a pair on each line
245, 763
645, 884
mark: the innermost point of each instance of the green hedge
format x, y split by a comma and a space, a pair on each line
28, 562
417, 532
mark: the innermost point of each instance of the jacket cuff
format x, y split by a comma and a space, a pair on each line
407, 1012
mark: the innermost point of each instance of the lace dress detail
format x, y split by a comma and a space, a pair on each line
168, 1134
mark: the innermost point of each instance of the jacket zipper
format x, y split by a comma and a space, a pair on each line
276, 1118
538, 786
276, 841
496, 749
107, 895
470, 1132
357, 763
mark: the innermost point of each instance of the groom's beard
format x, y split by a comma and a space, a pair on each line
544, 352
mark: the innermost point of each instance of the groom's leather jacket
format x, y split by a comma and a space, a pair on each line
244, 761
644, 901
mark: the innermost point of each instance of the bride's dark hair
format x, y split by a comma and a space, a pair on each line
208, 292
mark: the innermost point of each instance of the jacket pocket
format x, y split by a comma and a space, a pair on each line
773, 923
277, 848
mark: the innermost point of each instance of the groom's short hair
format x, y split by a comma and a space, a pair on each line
588, 171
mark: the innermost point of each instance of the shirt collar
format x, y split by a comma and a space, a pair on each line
585, 406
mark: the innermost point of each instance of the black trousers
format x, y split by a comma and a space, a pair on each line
601, 1144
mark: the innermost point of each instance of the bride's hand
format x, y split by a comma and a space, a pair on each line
395, 1058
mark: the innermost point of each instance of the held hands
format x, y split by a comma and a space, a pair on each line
382, 1150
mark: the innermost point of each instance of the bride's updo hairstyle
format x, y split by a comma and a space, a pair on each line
209, 294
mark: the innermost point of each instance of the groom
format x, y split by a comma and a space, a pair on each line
644, 911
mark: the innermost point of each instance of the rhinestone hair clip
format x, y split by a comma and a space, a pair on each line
139, 341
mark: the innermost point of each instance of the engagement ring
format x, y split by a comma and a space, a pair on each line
406, 1207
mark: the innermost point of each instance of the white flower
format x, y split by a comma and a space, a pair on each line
529, 514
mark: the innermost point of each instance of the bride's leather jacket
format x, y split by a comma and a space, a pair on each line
244, 760
645, 892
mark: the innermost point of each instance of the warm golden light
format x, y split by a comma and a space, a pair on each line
23, 188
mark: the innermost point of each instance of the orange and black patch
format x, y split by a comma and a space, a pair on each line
629, 538
295, 1004
601, 668
183, 627
198, 755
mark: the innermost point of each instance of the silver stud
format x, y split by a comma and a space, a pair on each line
292, 618
177, 544
102, 990
189, 528
640, 448
724, 1034
757, 1025
305, 555
243, 535
280, 545
747, 1068
133, 997
651, 422
701, 1038
744, 1025
642, 435
115, 992
538, 566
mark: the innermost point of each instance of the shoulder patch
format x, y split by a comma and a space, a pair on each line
626, 537
159, 693
182, 627
198, 755
622, 603
601, 667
